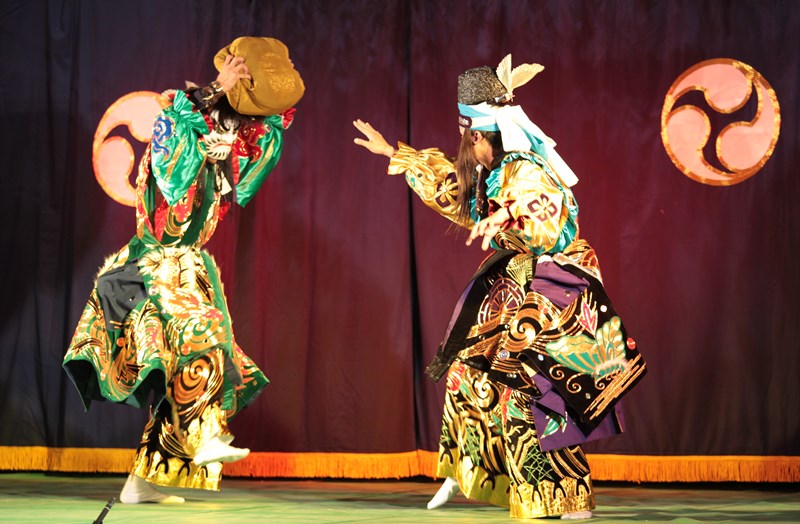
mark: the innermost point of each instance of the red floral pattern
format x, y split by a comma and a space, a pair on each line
247, 140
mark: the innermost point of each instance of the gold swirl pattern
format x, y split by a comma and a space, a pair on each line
483, 392
179, 314
492, 451
572, 384
190, 417
557, 373
192, 381
534, 316
580, 348
198, 384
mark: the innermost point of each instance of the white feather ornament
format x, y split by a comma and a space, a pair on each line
522, 74
519, 76
503, 72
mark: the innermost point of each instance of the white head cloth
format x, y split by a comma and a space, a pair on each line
517, 130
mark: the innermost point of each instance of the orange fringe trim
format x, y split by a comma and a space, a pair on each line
626, 468
335, 465
717, 468
73, 460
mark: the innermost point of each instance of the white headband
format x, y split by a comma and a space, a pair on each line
518, 134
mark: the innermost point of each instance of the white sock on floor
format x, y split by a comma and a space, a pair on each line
446, 492
576, 515
137, 490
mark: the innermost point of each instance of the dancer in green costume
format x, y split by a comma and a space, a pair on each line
157, 321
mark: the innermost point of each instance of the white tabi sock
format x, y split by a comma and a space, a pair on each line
446, 492
137, 490
217, 450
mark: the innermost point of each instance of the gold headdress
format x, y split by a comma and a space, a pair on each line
275, 86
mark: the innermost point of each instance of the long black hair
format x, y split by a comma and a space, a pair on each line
468, 180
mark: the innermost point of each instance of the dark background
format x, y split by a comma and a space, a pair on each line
340, 282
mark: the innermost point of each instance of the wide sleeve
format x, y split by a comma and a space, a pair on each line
258, 148
177, 154
539, 208
431, 175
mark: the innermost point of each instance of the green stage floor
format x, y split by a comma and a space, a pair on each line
63, 499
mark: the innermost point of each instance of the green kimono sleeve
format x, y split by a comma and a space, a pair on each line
262, 149
177, 154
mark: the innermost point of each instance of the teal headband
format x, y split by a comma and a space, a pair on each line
470, 117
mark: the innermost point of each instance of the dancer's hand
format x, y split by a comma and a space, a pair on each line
489, 227
375, 143
233, 70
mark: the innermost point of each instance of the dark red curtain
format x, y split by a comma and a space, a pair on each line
340, 282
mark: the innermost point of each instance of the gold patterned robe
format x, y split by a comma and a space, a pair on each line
539, 356
157, 320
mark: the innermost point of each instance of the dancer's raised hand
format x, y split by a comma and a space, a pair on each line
233, 70
375, 143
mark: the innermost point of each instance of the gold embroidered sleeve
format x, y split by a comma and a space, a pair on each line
534, 201
431, 175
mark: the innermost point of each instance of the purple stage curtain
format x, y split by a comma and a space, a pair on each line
341, 283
